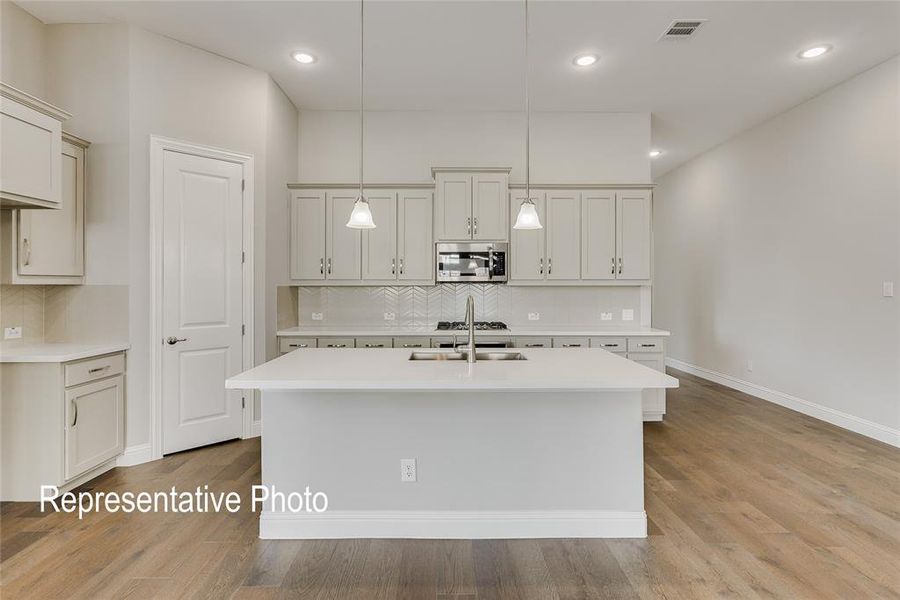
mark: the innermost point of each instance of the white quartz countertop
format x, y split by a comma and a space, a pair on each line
56, 353
391, 369
626, 331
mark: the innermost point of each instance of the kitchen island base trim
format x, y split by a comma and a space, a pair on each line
453, 524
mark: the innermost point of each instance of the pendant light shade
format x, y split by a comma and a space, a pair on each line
361, 215
528, 216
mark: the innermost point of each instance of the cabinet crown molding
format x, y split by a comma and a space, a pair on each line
8, 91
75, 140
470, 170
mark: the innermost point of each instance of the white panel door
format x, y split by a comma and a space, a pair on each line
342, 244
379, 245
526, 245
453, 206
51, 242
633, 213
307, 235
563, 209
415, 248
489, 206
95, 424
202, 304
598, 235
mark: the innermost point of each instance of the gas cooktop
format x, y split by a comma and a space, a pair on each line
461, 325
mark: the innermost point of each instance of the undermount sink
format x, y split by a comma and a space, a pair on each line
479, 356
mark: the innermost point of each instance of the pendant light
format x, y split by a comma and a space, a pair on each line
528, 216
361, 215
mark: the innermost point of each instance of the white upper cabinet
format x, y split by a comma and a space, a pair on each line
598, 234
30, 151
46, 247
307, 235
415, 246
563, 227
634, 234
342, 244
526, 260
379, 245
471, 205
489, 206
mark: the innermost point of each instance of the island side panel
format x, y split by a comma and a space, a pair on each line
489, 463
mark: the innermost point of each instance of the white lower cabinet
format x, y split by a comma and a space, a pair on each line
374, 342
61, 423
94, 432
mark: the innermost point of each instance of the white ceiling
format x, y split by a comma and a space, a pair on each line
738, 70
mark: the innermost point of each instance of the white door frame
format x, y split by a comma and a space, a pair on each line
158, 146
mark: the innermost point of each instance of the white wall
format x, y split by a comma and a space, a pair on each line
402, 146
22, 52
773, 247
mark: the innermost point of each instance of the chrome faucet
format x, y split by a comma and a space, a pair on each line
470, 323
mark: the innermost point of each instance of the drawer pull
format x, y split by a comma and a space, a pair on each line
534, 345
610, 345
648, 345
571, 345
412, 345
75, 413
374, 345
298, 345
98, 369
336, 345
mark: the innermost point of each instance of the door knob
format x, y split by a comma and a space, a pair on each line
172, 340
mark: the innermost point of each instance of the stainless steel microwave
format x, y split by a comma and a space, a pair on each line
471, 261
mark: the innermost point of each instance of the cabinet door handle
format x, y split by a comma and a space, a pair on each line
541, 262
97, 369
329, 266
469, 225
549, 266
393, 266
613, 271
26, 252
321, 266
75, 413
475, 223
620, 265
401, 266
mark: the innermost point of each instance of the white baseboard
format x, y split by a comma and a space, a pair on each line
856, 424
453, 524
135, 455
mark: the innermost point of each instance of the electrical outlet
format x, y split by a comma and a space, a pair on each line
317, 316
604, 316
628, 314
389, 316
12, 333
887, 289
407, 469
534, 316
749, 366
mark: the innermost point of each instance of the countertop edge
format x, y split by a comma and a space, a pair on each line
88, 351
350, 332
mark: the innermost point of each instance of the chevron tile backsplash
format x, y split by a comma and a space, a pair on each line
421, 306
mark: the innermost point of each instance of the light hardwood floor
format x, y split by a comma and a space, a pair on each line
745, 500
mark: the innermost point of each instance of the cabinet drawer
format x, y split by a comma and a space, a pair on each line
336, 343
612, 344
92, 369
412, 342
289, 344
94, 424
533, 342
645, 344
374, 342
571, 342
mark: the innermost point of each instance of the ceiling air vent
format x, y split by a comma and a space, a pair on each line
682, 29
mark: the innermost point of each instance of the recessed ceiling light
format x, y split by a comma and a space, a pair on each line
814, 51
585, 60
655, 153
303, 58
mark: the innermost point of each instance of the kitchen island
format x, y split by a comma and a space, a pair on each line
548, 446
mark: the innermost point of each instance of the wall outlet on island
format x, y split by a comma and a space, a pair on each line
12, 333
407, 469
606, 316
389, 316
534, 316
628, 314
317, 316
